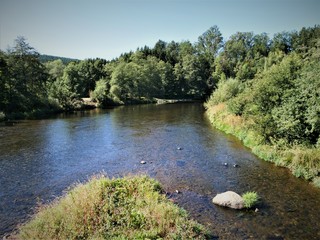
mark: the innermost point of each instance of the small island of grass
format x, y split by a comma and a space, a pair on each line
126, 208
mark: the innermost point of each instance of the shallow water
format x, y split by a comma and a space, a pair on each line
42, 158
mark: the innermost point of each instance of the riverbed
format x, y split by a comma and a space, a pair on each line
41, 159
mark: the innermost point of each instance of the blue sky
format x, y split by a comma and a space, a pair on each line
106, 28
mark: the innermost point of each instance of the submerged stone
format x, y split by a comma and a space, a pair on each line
229, 199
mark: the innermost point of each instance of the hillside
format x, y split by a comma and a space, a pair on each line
46, 58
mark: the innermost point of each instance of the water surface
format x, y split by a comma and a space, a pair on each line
40, 159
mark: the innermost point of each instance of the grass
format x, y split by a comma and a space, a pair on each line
250, 199
126, 208
316, 182
303, 162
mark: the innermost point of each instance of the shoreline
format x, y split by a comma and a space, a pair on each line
303, 162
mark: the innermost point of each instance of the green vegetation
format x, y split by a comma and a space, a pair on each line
250, 199
128, 208
31, 85
273, 107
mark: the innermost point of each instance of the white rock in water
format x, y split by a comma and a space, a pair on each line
143, 162
229, 199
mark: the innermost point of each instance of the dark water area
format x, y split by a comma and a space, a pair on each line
40, 159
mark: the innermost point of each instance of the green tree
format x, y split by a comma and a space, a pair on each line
100, 93
26, 79
282, 41
298, 117
270, 91
209, 44
55, 69
172, 53
159, 50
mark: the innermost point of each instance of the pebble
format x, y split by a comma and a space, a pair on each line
177, 191
143, 162
235, 165
226, 164
256, 210
179, 148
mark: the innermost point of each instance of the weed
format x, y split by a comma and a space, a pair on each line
250, 199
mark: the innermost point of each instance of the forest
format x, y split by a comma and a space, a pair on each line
275, 82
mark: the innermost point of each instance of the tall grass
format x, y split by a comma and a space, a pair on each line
127, 208
303, 161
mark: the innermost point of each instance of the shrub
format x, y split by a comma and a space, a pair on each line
250, 199
226, 90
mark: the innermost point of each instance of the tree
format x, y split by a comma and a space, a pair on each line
159, 50
270, 91
298, 117
261, 45
100, 92
282, 41
237, 51
172, 53
169, 85
26, 78
194, 79
55, 69
210, 43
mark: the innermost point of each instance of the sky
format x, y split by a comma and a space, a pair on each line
106, 28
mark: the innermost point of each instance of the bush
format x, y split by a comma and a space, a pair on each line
250, 199
226, 90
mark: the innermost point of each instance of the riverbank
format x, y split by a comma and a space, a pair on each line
126, 208
302, 161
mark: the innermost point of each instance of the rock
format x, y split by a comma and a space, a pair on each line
225, 164
177, 191
235, 165
256, 210
179, 148
143, 162
229, 199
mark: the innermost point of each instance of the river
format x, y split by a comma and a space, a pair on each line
40, 159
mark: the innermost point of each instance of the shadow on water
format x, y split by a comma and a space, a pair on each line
40, 159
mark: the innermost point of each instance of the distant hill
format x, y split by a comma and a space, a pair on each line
47, 58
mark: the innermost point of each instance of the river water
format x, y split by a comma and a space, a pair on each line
40, 159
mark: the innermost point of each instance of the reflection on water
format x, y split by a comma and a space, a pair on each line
40, 159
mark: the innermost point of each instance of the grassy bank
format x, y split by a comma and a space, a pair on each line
126, 208
303, 162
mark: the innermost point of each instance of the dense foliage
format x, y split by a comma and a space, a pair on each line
268, 95
280, 91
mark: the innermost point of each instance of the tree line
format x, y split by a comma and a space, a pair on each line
168, 70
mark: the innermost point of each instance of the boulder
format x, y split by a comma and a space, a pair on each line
229, 199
